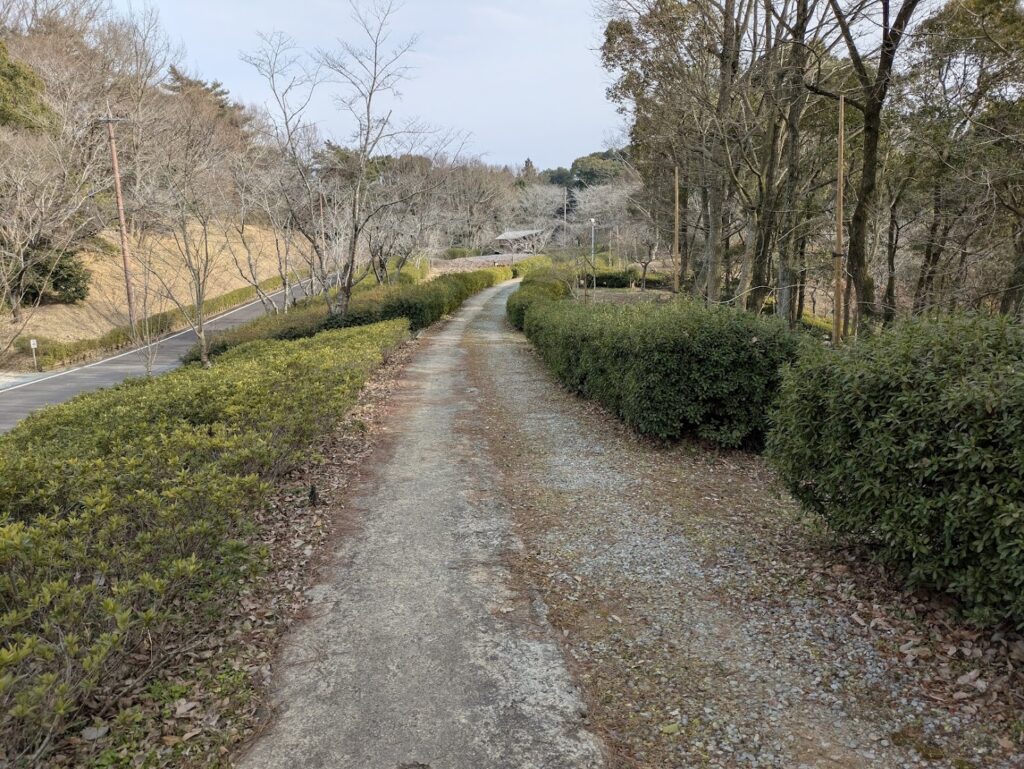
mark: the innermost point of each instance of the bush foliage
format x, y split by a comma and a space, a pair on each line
541, 286
127, 514
631, 276
457, 252
58, 278
668, 370
913, 443
421, 303
530, 265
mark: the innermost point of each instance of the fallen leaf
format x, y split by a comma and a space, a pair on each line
91, 733
184, 707
968, 678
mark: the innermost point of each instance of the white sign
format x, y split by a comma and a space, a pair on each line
32, 343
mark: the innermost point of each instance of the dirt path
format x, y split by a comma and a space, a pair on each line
419, 652
512, 539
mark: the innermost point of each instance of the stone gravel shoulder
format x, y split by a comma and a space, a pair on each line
709, 622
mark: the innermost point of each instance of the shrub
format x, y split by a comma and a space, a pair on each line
631, 276
59, 278
421, 303
668, 370
912, 442
615, 278
302, 320
530, 265
461, 253
539, 287
129, 516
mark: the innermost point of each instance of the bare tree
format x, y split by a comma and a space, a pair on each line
194, 174
369, 73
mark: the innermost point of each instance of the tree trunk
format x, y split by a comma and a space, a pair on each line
743, 294
684, 231
858, 231
764, 237
719, 156
932, 251
791, 220
802, 284
891, 248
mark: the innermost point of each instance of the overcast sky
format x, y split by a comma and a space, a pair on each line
522, 77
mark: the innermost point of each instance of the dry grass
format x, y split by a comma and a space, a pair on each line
106, 306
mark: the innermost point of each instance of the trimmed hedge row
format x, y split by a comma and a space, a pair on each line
530, 265
912, 442
631, 276
540, 286
421, 303
668, 370
128, 515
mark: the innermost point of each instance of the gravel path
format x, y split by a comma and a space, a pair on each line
420, 652
696, 610
511, 539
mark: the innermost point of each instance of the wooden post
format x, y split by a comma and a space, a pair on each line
122, 225
676, 255
837, 305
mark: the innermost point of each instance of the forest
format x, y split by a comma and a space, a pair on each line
741, 99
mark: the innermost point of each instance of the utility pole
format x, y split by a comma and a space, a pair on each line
593, 254
122, 225
676, 256
837, 303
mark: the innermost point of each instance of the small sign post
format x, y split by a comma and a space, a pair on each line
34, 344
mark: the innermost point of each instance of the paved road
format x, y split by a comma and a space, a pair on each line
20, 400
420, 650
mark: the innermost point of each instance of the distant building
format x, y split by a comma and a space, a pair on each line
522, 241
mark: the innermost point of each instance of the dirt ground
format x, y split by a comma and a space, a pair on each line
106, 305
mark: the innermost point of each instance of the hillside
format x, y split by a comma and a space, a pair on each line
106, 305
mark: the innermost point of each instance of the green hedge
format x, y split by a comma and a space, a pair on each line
128, 516
668, 370
631, 276
540, 286
530, 265
913, 442
421, 303
52, 353
461, 253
